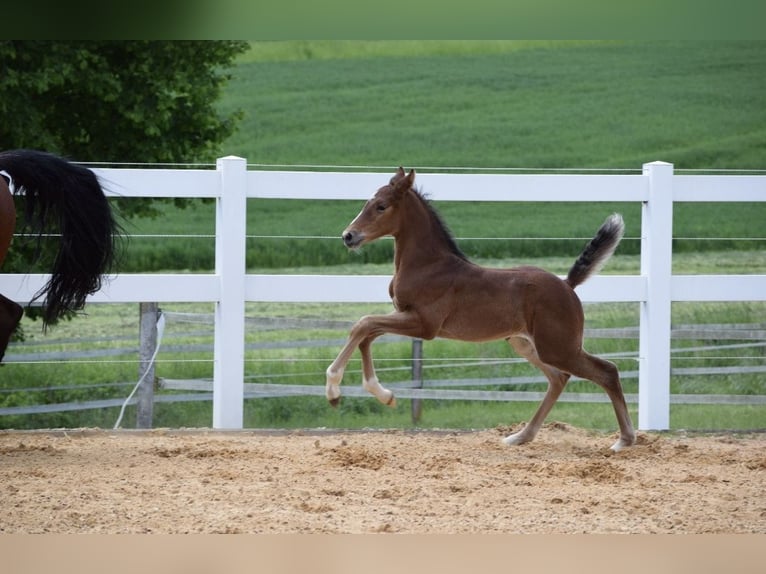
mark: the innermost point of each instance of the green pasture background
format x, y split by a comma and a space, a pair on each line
484, 104
519, 105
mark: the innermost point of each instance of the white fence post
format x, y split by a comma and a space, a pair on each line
656, 267
231, 227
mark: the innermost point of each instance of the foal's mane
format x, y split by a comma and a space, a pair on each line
441, 226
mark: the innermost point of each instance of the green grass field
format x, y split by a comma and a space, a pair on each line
528, 105
586, 105
487, 105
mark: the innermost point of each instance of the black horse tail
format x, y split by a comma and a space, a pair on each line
597, 251
64, 198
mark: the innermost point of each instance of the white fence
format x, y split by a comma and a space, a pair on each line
656, 188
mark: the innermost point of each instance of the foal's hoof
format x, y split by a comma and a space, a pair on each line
623, 443
334, 402
392, 401
513, 440
518, 438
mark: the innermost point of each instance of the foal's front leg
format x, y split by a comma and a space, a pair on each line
370, 381
363, 333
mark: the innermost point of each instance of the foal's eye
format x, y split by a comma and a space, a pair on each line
380, 208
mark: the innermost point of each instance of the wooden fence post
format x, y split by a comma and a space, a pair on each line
417, 377
654, 330
147, 344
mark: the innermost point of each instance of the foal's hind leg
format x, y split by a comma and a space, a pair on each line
557, 380
606, 375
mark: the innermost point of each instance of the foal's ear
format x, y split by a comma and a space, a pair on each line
402, 182
397, 176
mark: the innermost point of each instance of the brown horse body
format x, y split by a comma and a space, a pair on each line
438, 292
10, 311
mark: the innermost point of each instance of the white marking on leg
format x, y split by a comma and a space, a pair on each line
523, 436
623, 443
384, 395
332, 389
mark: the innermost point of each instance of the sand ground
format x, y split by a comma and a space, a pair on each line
567, 481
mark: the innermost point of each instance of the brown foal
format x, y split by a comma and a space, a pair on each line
438, 292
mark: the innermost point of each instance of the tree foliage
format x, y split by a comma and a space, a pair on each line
145, 101
114, 102
138, 101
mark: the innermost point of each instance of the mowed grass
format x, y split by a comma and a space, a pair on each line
514, 105
528, 105
555, 105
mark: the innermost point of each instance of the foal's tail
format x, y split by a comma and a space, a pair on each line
597, 251
65, 198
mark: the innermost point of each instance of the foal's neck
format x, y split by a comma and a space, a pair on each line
422, 237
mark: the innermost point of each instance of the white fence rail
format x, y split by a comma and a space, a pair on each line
657, 188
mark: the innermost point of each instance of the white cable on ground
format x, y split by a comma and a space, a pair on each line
160, 331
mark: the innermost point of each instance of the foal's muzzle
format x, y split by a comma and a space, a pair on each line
352, 239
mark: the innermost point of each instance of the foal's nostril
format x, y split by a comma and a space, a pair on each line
348, 238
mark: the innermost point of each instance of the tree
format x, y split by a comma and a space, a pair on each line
114, 101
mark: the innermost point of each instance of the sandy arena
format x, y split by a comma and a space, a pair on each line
567, 481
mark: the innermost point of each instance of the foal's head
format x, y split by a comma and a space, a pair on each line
381, 215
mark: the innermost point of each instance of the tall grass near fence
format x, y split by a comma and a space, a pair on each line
290, 233
283, 348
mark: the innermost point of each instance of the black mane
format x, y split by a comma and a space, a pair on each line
440, 225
